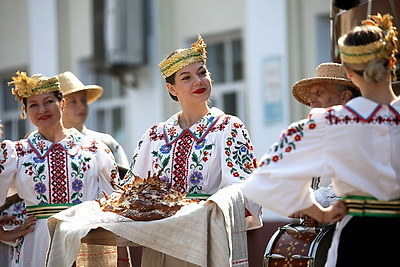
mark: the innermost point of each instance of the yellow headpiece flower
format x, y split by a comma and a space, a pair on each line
36, 85
196, 53
383, 48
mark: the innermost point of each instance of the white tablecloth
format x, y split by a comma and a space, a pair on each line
212, 233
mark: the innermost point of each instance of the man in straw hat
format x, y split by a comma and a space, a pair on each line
78, 97
329, 87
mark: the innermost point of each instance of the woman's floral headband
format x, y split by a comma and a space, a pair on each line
383, 48
196, 53
36, 85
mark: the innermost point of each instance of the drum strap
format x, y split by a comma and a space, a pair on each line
369, 206
46, 210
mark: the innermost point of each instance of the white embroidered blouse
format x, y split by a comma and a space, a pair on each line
357, 144
214, 153
72, 171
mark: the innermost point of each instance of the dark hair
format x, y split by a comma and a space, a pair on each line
171, 80
57, 94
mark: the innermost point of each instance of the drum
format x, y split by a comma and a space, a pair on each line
299, 245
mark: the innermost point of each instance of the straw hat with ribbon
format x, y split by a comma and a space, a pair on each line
325, 72
71, 84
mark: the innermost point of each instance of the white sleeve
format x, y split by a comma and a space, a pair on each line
8, 168
283, 182
326, 196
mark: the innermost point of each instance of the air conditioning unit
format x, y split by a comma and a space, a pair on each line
120, 33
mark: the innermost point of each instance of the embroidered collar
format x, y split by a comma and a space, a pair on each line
366, 109
198, 131
42, 147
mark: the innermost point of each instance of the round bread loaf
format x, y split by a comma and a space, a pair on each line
145, 199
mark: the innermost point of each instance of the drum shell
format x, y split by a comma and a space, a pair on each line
299, 245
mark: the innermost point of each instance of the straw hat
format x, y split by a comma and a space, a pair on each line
71, 84
325, 72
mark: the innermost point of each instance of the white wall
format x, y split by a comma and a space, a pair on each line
266, 40
75, 34
14, 32
43, 37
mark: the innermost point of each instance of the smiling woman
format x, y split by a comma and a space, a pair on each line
53, 168
198, 150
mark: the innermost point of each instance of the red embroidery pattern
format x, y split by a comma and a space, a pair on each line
356, 118
59, 189
221, 126
180, 161
153, 134
19, 149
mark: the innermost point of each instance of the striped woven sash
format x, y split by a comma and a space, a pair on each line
44, 211
369, 206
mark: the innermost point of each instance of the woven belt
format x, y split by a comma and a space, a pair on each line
369, 206
47, 210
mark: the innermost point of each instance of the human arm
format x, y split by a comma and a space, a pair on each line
324, 195
108, 170
12, 235
238, 161
8, 168
329, 215
282, 182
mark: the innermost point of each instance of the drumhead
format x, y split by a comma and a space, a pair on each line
298, 245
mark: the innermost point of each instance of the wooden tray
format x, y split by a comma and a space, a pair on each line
101, 236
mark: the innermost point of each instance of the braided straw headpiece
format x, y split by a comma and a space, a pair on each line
196, 53
383, 48
36, 85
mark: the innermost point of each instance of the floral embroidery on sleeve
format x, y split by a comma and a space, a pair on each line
4, 156
239, 152
287, 141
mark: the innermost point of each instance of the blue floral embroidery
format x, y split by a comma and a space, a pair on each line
38, 159
77, 185
243, 149
196, 178
200, 144
19, 207
40, 188
165, 149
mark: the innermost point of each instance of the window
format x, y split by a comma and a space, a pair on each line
323, 39
225, 62
14, 127
107, 114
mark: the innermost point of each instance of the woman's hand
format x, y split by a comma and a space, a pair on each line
23, 229
335, 212
329, 215
298, 215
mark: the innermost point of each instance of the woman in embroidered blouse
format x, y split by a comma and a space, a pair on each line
358, 144
12, 235
199, 150
53, 168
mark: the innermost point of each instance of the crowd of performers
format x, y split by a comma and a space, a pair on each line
348, 136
